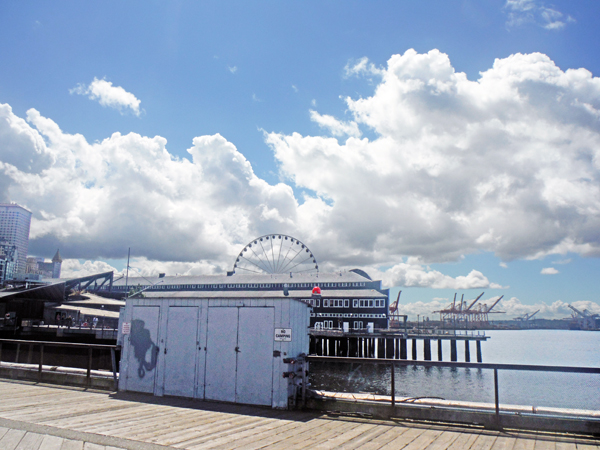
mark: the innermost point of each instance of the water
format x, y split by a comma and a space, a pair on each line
540, 347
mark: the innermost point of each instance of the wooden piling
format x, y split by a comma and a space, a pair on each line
440, 356
380, 348
453, 350
478, 345
353, 347
344, 350
467, 351
414, 349
403, 349
427, 349
389, 348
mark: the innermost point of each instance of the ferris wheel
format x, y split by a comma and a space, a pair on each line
275, 253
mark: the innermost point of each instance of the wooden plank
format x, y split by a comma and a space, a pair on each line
383, 439
444, 440
328, 433
69, 444
11, 439
103, 419
504, 443
484, 441
31, 441
51, 443
464, 441
544, 443
424, 439
173, 434
365, 437
566, 446
244, 437
92, 446
121, 418
259, 439
524, 442
344, 436
404, 439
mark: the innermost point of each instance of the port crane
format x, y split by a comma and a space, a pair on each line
583, 320
395, 317
525, 317
466, 313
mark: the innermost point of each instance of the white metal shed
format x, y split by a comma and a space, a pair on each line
213, 345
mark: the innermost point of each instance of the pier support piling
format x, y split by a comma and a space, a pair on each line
440, 358
427, 349
414, 349
380, 348
453, 350
403, 349
389, 348
467, 351
478, 345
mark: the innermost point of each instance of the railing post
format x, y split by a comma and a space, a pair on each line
0, 352
393, 387
113, 360
41, 362
18, 351
496, 397
89, 367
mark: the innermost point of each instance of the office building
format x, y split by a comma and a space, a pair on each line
14, 228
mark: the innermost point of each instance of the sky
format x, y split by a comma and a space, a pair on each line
442, 146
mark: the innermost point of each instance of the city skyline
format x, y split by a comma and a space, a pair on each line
440, 147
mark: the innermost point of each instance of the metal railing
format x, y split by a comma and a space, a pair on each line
392, 363
45, 344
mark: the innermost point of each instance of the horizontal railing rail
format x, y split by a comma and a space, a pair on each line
74, 345
467, 365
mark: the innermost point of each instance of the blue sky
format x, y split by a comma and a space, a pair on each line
296, 117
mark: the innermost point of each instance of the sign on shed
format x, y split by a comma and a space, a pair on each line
283, 334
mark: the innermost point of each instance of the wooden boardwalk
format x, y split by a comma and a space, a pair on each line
47, 417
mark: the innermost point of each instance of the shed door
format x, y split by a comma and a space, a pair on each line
181, 350
255, 358
143, 349
239, 357
221, 342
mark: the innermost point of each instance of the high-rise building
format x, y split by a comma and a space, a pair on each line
14, 228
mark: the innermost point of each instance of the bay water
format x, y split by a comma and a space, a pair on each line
538, 347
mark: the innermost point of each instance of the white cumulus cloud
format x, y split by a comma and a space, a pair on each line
108, 95
416, 275
549, 271
508, 163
